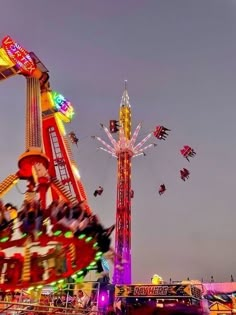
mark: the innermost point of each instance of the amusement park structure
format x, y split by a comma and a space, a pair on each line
46, 140
124, 149
48, 167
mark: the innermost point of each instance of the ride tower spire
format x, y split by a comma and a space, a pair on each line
124, 149
123, 204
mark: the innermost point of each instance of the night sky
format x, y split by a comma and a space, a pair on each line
179, 57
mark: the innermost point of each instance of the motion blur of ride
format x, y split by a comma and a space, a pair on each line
114, 126
162, 189
187, 152
184, 174
98, 191
73, 138
161, 132
54, 235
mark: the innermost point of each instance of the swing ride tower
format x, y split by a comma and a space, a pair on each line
124, 149
123, 203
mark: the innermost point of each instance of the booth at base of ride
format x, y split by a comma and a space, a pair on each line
160, 296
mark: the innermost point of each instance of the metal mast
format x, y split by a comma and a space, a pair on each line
122, 267
124, 149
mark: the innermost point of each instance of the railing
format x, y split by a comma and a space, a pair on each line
63, 301
14, 308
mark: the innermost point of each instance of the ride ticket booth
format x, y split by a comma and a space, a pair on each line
129, 298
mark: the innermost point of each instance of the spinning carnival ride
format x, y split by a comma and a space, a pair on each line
47, 166
124, 149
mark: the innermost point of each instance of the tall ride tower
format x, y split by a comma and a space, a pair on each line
123, 206
124, 149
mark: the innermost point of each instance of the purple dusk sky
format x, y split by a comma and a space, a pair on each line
179, 57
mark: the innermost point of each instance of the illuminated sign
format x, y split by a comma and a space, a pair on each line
157, 291
150, 290
5, 61
18, 55
62, 105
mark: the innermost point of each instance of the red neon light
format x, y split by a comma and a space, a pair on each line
18, 55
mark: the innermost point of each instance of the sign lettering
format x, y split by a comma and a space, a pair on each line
18, 55
62, 105
156, 291
150, 290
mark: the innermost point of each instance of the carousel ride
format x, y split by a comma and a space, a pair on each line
36, 248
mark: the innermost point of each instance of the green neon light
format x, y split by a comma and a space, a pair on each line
68, 234
57, 233
80, 272
88, 239
4, 239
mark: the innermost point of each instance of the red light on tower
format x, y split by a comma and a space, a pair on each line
18, 55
